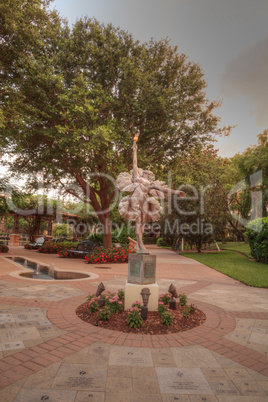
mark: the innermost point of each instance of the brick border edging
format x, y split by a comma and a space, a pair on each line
80, 334
209, 335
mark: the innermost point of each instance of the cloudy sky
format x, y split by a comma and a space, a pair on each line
228, 38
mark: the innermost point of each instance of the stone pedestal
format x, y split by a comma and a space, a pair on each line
14, 240
141, 268
132, 294
141, 274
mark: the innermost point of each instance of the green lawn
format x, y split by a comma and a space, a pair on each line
236, 246
234, 265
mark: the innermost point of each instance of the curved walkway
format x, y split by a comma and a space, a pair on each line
47, 353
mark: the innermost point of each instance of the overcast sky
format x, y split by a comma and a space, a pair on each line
228, 38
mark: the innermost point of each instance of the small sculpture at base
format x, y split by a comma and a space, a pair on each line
173, 291
145, 294
100, 289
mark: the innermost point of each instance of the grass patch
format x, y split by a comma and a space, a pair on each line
234, 265
236, 246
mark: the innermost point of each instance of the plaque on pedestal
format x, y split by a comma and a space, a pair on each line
141, 268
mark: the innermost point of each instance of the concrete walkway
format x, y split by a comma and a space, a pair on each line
48, 353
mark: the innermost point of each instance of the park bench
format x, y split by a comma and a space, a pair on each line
83, 248
38, 243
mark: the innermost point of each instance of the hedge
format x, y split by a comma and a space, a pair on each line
257, 234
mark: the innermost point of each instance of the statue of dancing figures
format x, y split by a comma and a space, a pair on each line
141, 206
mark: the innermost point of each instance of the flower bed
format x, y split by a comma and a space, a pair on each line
103, 255
27, 246
3, 248
64, 253
55, 248
113, 316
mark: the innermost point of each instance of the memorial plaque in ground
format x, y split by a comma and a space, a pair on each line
187, 381
81, 376
124, 356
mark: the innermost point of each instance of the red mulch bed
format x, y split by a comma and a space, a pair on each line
152, 325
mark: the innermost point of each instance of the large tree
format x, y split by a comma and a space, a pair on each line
201, 217
250, 198
80, 98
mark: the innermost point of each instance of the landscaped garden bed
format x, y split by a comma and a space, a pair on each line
113, 316
103, 255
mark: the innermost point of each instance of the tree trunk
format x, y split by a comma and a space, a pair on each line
106, 230
223, 239
199, 246
239, 231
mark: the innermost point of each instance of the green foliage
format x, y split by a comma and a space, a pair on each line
185, 313
134, 319
150, 240
61, 230
182, 299
96, 237
119, 235
113, 302
165, 298
167, 318
93, 305
71, 97
121, 294
55, 248
162, 308
257, 234
247, 203
137, 304
162, 242
236, 266
203, 214
105, 313
236, 246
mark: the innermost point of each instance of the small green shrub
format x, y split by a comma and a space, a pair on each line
183, 299
121, 235
161, 242
113, 302
27, 246
3, 248
149, 240
93, 305
192, 309
185, 313
121, 294
55, 248
118, 236
64, 253
167, 318
162, 308
134, 319
137, 304
165, 298
105, 313
257, 234
96, 238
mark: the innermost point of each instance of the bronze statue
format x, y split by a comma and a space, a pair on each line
141, 206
